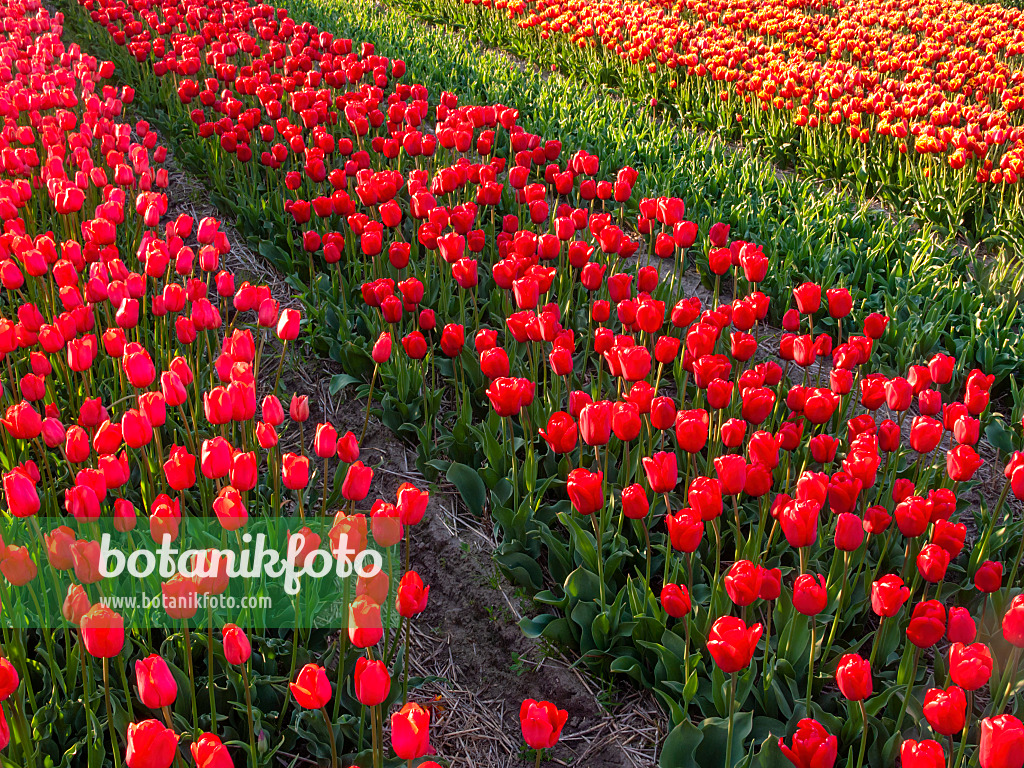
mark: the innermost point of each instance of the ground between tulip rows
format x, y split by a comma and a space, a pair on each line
468, 647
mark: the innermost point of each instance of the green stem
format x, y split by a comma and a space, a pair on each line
732, 711
863, 735
330, 736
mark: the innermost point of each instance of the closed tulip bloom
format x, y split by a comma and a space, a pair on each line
311, 689
849, 532
1002, 742
705, 497
356, 485
102, 632
506, 397
970, 666
209, 752
732, 473
8, 679
989, 577
1013, 622
799, 522
156, 684
888, 594
626, 421
365, 627
586, 490
732, 643
932, 563
541, 723
960, 627
410, 734
692, 429
151, 745
180, 468
812, 746
20, 492
634, 502
662, 471
962, 462
325, 443
595, 423
237, 648
927, 624
76, 604
945, 710
743, 582
298, 409
381, 349
809, 594
808, 298
925, 434
853, 676
294, 471
922, 754
675, 600
771, 584
685, 530
371, 681
411, 599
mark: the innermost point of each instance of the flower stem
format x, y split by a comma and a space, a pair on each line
330, 736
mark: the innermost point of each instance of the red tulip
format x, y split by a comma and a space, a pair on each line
732, 643
922, 754
970, 666
1013, 622
853, 676
675, 600
809, 594
356, 485
102, 632
927, 624
372, 682
411, 599
209, 752
237, 648
542, 723
813, 746
661, 471
410, 736
945, 710
157, 687
1002, 742
586, 490
743, 582
151, 745
311, 689
888, 594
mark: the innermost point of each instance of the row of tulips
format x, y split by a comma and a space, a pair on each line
913, 100
777, 527
133, 364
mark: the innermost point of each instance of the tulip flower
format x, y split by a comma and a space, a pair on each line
922, 754
541, 723
372, 682
209, 752
157, 688
945, 710
410, 737
812, 746
1002, 742
151, 745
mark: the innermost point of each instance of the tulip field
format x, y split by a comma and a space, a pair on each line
749, 450
913, 102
